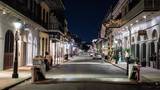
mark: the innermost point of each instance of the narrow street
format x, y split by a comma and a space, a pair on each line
84, 73
84, 67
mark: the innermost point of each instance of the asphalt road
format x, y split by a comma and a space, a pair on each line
84, 73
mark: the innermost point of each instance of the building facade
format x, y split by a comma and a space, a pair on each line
33, 17
135, 27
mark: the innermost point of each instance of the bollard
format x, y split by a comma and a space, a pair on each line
33, 74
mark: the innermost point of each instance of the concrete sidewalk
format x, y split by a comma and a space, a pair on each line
148, 74
6, 77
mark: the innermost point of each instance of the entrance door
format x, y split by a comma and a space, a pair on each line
24, 53
143, 59
133, 50
8, 50
137, 51
152, 52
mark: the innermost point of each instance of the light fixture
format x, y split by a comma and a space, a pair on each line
26, 27
4, 12
116, 41
144, 16
17, 25
131, 24
136, 21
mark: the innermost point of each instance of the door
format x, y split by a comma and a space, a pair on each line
137, 51
8, 50
143, 59
24, 53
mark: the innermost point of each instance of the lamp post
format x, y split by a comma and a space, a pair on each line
17, 26
116, 42
128, 58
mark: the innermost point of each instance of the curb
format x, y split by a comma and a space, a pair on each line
17, 83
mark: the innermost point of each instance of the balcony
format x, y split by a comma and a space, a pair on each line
142, 6
53, 26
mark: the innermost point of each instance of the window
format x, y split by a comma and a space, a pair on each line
44, 12
42, 46
154, 34
31, 5
47, 18
46, 44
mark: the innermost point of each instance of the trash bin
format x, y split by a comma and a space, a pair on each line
37, 74
40, 62
135, 72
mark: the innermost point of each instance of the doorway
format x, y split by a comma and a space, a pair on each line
143, 58
8, 50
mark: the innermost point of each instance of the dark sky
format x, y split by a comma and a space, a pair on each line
85, 16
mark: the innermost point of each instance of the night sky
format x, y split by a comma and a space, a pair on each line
85, 16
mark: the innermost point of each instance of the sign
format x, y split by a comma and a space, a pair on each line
142, 32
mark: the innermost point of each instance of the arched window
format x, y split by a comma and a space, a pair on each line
145, 37
8, 50
154, 34
9, 41
138, 38
42, 46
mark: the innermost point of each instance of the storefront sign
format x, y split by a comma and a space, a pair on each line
142, 32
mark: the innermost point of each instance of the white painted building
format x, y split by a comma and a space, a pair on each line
138, 30
28, 34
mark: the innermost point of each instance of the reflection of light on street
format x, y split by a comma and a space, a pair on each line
92, 63
92, 77
102, 76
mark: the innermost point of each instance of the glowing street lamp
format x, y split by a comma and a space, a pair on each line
17, 26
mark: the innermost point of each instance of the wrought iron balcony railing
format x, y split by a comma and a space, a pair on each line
142, 6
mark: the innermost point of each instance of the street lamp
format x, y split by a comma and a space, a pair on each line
17, 26
128, 58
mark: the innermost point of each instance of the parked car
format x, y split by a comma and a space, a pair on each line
91, 54
97, 56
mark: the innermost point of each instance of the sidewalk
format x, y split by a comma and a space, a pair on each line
148, 74
6, 77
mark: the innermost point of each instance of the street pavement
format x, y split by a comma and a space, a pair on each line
86, 68
84, 73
